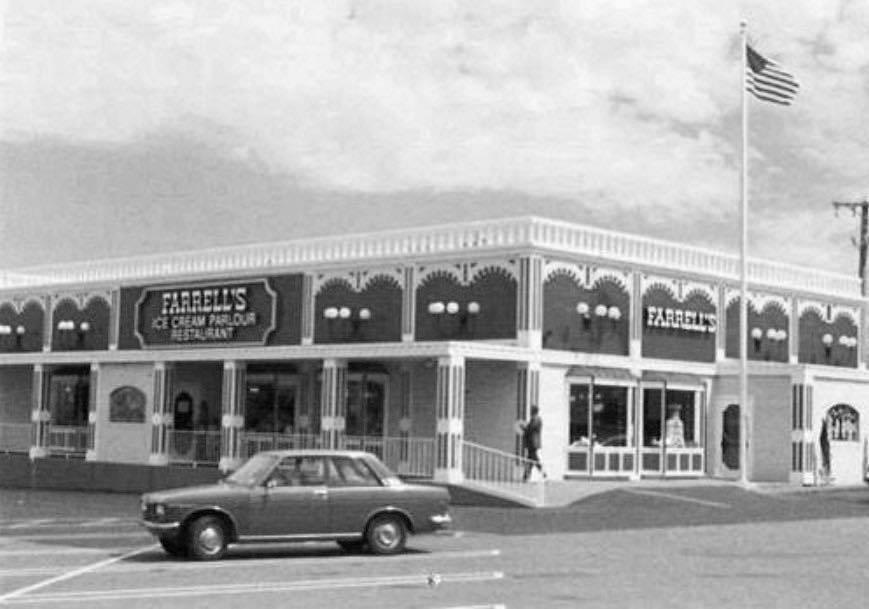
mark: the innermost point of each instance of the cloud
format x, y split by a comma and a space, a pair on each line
627, 104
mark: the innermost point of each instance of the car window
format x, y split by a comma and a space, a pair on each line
352, 472
300, 471
253, 469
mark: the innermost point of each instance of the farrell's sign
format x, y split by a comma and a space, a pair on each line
681, 319
224, 313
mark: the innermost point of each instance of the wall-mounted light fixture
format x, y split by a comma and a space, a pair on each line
346, 313
68, 328
827, 340
453, 309
18, 332
849, 342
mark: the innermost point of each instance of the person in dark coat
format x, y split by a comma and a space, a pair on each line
531, 439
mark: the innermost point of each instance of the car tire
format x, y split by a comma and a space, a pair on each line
356, 546
386, 534
173, 547
206, 538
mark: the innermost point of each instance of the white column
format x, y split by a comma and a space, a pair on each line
527, 395
91, 454
232, 421
40, 414
308, 313
529, 331
408, 306
333, 403
161, 420
450, 409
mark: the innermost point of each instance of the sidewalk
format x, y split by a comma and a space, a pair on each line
559, 493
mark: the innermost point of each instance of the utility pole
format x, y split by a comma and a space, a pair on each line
863, 207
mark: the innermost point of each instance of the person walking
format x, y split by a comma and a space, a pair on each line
531, 439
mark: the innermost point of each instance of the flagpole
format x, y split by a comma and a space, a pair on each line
743, 270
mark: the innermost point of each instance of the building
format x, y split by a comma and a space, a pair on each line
429, 346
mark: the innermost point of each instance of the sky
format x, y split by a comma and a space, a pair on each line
148, 126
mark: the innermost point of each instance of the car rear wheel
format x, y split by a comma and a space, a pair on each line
386, 534
206, 538
353, 547
173, 546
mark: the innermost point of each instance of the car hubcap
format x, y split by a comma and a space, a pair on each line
387, 534
210, 540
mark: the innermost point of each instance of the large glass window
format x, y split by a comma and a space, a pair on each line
674, 419
270, 403
366, 396
604, 420
69, 396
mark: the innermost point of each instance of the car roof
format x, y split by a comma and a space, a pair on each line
316, 452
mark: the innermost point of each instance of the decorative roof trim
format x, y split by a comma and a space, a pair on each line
433, 242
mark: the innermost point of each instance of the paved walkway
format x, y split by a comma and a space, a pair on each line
564, 492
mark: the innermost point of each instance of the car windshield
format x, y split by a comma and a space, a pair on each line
253, 470
385, 474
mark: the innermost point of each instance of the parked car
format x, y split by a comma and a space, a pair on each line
297, 495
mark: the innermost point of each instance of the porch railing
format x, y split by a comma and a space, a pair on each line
254, 442
15, 437
405, 456
68, 439
502, 471
194, 447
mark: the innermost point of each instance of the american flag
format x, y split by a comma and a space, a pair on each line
765, 79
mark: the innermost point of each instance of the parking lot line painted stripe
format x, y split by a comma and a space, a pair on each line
673, 496
218, 590
497, 606
42, 551
74, 573
61, 536
239, 564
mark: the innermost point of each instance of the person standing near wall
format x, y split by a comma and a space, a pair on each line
531, 439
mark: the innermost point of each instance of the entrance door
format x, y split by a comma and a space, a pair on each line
844, 445
730, 425
366, 408
270, 410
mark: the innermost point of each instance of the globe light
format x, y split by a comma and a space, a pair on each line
344, 313
827, 339
614, 313
600, 310
436, 308
330, 312
756, 333
365, 314
582, 308
452, 307
473, 307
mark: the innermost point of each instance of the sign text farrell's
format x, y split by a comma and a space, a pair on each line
224, 313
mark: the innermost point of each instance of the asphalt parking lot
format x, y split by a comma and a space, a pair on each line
723, 545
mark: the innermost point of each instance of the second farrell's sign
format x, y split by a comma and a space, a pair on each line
220, 314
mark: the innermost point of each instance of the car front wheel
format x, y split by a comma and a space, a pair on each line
206, 538
386, 534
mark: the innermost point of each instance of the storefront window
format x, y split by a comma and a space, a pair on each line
270, 403
365, 406
609, 415
69, 397
679, 413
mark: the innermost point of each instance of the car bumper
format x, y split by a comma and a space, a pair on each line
440, 521
160, 528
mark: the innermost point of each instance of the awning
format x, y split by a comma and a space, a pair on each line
600, 373
672, 378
